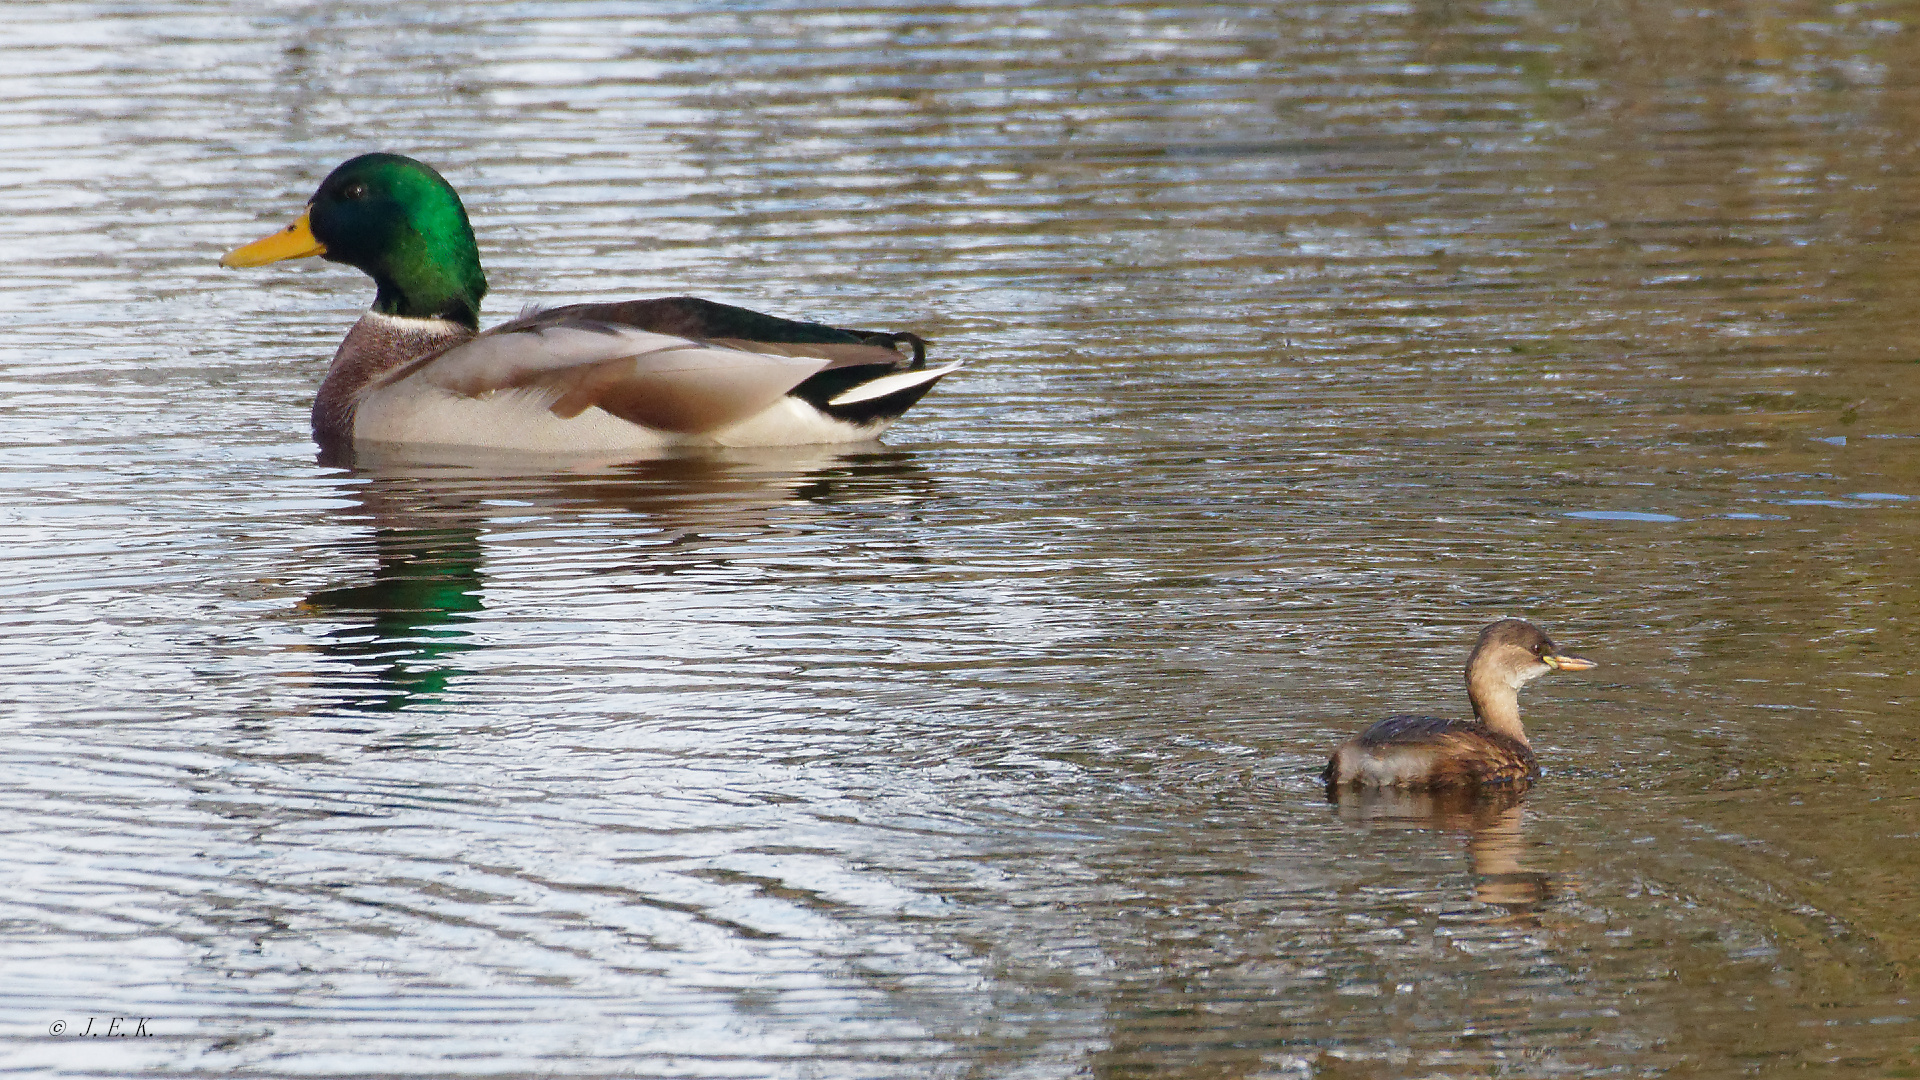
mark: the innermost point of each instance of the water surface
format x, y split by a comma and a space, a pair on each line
1303, 340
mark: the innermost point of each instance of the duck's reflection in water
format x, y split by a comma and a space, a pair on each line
1492, 820
429, 517
404, 625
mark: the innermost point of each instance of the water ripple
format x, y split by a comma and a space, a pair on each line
1302, 340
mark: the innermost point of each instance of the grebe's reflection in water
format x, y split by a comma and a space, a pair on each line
1492, 819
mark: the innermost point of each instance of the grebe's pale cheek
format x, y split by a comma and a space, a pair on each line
1530, 672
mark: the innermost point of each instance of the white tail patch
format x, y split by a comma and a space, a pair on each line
890, 384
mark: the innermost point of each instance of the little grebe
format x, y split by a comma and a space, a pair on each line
1492, 748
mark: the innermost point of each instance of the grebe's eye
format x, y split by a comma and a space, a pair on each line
354, 190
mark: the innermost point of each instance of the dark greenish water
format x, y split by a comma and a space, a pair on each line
1303, 340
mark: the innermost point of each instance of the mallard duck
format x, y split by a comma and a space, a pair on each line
640, 376
1492, 748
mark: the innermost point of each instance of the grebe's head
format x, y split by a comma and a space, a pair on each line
1514, 652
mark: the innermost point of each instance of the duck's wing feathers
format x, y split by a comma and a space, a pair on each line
738, 328
866, 375
663, 381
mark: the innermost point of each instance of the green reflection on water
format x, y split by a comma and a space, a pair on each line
408, 618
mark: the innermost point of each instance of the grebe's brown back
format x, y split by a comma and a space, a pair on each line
1492, 748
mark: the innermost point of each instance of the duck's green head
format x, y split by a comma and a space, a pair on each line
401, 223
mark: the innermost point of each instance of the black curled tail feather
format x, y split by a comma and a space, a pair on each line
820, 390
888, 339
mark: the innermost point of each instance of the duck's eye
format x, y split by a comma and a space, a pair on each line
354, 190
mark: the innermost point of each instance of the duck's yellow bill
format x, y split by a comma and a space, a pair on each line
293, 242
1563, 662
